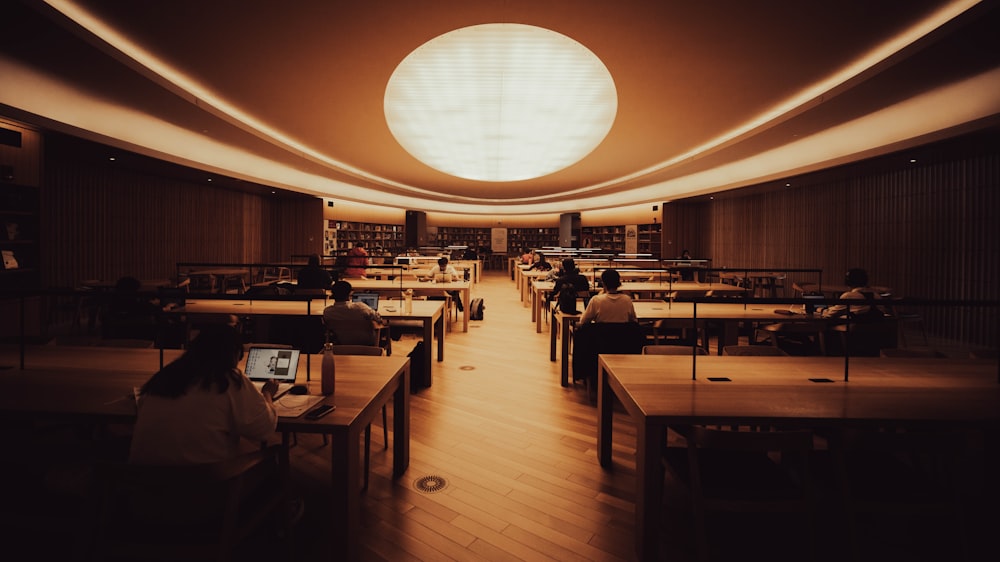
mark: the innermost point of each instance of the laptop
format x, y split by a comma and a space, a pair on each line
371, 299
277, 363
442, 278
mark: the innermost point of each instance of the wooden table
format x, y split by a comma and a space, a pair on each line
397, 286
219, 277
90, 392
727, 315
658, 391
429, 313
643, 290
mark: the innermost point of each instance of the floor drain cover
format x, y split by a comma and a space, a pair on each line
466, 368
430, 484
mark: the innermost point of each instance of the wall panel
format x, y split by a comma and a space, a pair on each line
927, 230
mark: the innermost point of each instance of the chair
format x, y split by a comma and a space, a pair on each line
372, 350
592, 339
904, 317
197, 512
672, 350
811, 330
753, 350
889, 477
744, 472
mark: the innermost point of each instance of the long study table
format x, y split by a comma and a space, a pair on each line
98, 387
657, 391
727, 315
395, 288
429, 313
642, 289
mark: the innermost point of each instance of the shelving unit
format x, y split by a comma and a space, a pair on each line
461, 236
613, 238
610, 238
390, 237
19, 236
520, 238
649, 240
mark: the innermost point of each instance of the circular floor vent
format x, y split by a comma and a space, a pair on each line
430, 484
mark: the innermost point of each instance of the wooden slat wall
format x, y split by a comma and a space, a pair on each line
101, 224
929, 231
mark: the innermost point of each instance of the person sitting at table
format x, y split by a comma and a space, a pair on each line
687, 272
527, 257
201, 408
609, 305
446, 268
567, 285
541, 265
354, 323
312, 276
129, 314
856, 280
357, 261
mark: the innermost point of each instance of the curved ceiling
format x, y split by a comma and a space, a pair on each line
711, 95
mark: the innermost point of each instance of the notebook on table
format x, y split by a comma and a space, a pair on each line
442, 278
272, 363
371, 299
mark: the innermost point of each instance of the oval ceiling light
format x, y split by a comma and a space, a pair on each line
500, 102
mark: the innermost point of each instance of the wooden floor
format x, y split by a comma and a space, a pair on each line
516, 450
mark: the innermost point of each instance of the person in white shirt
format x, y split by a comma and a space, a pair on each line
201, 408
609, 305
444, 267
856, 280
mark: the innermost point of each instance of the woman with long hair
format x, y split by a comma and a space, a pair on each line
199, 408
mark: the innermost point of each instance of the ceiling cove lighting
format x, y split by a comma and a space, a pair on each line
500, 102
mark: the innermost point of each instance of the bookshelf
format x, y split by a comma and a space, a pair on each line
649, 240
19, 236
613, 238
520, 238
390, 237
462, 236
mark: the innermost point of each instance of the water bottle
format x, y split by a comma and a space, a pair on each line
466, 275
329, 370
408, 302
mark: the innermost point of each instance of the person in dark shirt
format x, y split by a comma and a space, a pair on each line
312, 276
570, 283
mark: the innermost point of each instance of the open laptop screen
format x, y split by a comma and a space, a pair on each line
276, 363
371, 299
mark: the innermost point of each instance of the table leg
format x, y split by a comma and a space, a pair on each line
346, 491
649, 440
401, 426
467, 308
605, 417
553, 329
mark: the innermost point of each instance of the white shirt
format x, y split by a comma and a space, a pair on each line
201, 426
609, 307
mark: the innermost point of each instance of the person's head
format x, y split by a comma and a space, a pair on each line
314, 260
569, 265
442, 262
856, 277
611, 279
341, 291
127, 285
359, 245
685, 254
211, 360
218, 347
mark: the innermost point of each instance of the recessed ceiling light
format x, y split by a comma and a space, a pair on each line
500, 102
